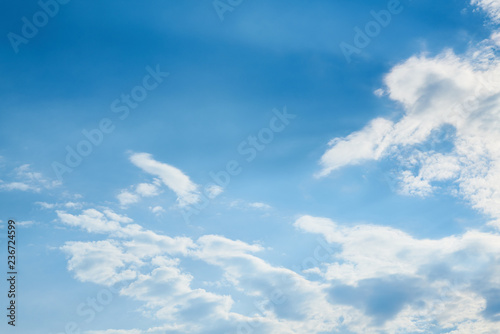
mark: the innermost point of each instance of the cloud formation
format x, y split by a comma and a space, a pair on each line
187, 191
404, 283
448, 131
24, 179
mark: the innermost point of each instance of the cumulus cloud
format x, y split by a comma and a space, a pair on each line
375, 279
126, 197
406, 283
168, 292
449, 129
144, 243
135, 193
187, 192
147, 189
101, 262
378, 279
282, 295
91, 220
149, 264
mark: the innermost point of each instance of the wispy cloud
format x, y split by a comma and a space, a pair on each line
24, 179
492, 8
187, 191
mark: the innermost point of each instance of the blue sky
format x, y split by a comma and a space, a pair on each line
233, 171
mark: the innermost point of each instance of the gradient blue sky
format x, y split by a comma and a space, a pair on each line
374, 210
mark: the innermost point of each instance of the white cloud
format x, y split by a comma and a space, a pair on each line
282, 294
444, 281
73, 205
116, 217
116, 331
379, 92
356, 148
125, 197
170, 329
46, 205
67, 205
19, 186
455, 275
168, 292
214, 190
376, 279
145, 243
260, 205
25, 223
414, 185
241, 204
101, 262
27, 180
147, 189
91, 220
492, 7
156, 209
187, 192
449, 131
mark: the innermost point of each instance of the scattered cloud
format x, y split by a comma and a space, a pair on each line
26, 180
45, 205
102, 262
156, 209
492, 8
241, 204
25, 223
214, 190
449, 130
378, 279
406, 284
126, 198
116, 331
73, 205
260, 205
187, 192
147, 189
